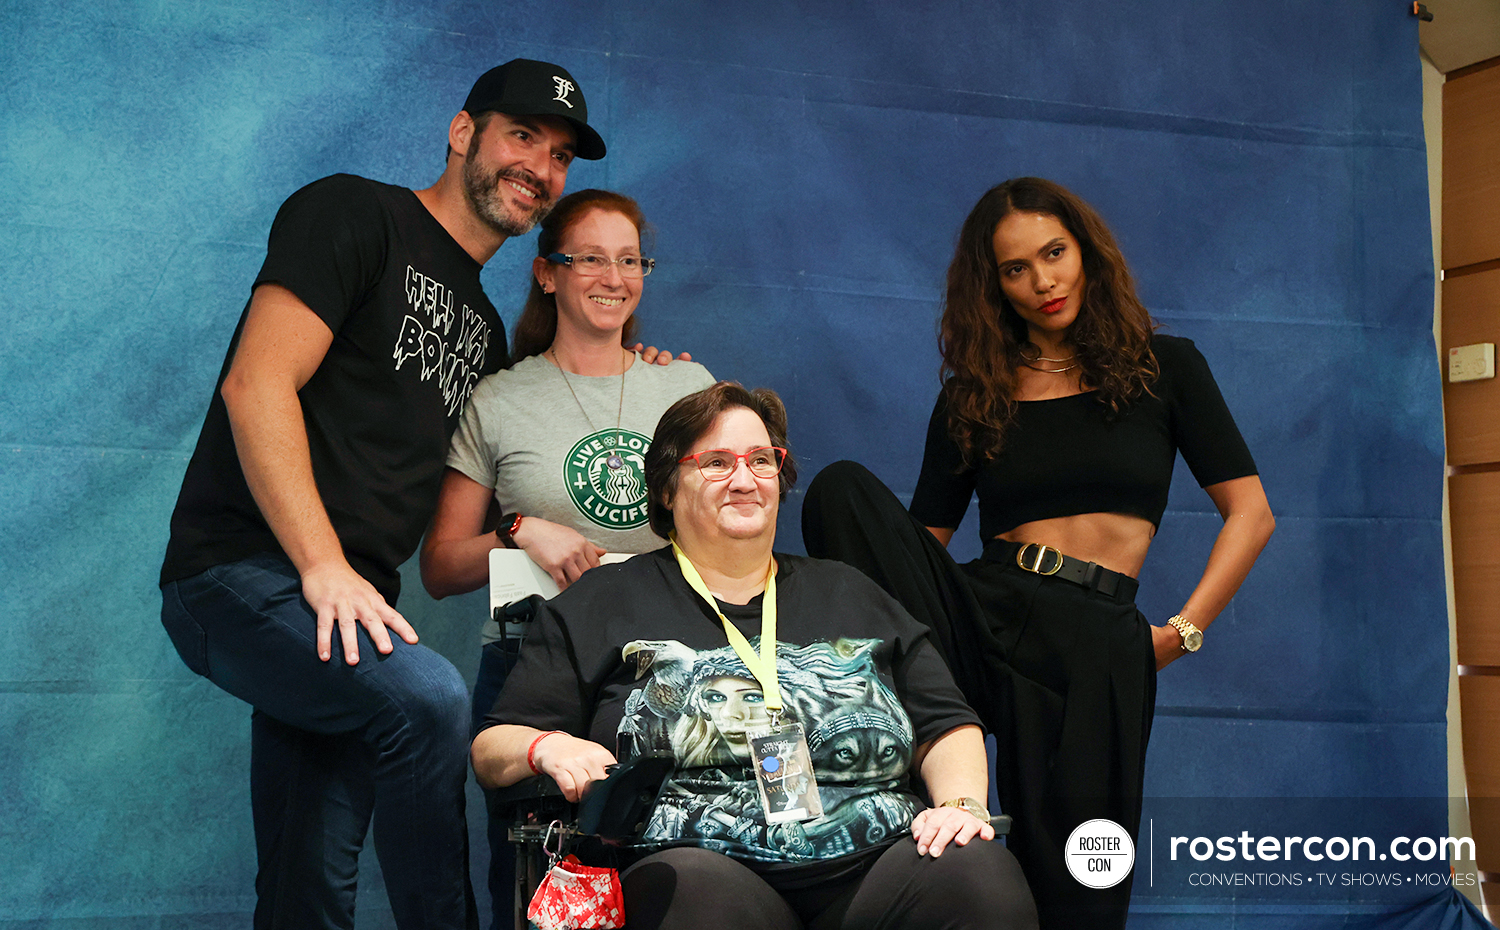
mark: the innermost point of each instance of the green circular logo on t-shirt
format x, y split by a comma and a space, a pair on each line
605, 474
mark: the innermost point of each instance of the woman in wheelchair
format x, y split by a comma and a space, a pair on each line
552, 445
802, 705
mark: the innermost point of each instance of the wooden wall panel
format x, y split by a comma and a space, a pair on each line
1471, 168
1474, 520
1479, 699
1471, 409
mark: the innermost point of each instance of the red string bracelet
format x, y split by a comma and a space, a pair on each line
531, 751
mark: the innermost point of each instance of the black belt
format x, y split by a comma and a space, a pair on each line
1045, 560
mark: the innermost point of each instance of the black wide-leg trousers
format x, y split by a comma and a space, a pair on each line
1064, 677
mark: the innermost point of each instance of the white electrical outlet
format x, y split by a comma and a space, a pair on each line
1471, 363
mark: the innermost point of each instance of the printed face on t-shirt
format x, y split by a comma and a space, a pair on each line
734, 705
696, 704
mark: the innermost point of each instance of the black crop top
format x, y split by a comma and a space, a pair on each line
1067, 456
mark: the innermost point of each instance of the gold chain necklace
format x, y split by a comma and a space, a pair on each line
614, 460
1039, 357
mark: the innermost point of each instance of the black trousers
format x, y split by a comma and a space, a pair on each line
973, 887
1064, 677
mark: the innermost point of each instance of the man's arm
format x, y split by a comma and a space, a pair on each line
281, 346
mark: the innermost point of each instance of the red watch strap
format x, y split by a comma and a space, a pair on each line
509, 523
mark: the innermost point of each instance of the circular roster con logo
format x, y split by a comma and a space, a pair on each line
1099, 853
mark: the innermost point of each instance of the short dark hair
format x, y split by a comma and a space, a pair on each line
686, 422
481, 122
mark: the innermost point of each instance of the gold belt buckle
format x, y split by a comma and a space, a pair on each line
1036, 563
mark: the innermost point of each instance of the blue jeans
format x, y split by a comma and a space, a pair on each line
495, 663
332, 744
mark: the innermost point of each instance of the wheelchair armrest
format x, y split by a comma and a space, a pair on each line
527, 789
615, 809
532, 799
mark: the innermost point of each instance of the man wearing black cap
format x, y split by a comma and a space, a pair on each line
314, 476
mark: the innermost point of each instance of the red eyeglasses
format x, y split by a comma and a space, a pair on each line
719, 464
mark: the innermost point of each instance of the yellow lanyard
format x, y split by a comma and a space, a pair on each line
764, 667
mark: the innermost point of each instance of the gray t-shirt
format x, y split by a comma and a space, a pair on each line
548, 455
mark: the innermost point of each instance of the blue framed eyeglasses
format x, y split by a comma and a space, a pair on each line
594, 265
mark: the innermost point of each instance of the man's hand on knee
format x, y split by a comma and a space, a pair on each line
340, 595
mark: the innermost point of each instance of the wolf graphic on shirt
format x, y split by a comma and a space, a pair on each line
701, 706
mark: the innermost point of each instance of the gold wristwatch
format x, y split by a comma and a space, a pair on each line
1192, 637
979, 811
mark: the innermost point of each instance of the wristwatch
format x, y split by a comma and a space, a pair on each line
509, 523
1192, 637
979, 811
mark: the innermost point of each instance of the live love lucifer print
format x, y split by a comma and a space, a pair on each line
605, 474
698, 706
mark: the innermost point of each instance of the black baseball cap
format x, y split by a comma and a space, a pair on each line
522, 87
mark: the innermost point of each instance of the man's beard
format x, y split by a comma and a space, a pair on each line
483, 191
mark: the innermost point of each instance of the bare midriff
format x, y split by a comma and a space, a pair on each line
1116, 541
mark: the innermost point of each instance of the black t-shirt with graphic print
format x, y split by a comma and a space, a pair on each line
412, 334
631, 658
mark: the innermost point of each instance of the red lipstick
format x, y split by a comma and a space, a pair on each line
1052, 306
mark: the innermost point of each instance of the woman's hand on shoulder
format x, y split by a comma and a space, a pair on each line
936, 827
561, 551
573, 763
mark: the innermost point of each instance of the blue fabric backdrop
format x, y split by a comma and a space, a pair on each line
807, 165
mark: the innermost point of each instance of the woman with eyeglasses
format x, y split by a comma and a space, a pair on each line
1064, 411
556, 444
803, 706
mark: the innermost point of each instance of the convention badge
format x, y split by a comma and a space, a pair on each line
784, 773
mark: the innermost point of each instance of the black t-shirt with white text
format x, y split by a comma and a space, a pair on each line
413, 332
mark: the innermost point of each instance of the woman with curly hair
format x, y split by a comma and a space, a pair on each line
1064, 411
